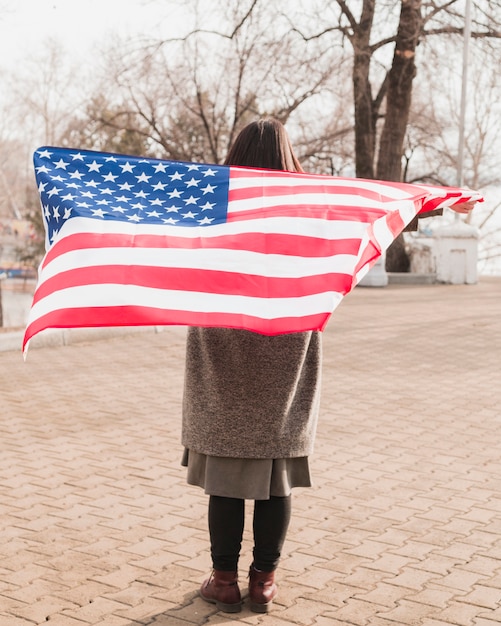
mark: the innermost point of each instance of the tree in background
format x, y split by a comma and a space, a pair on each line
340, 73
230, 65
383, 84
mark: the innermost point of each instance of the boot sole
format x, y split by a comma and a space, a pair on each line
221, 606
228, 608
260, 608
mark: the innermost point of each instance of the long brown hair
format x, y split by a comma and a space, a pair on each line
264, 143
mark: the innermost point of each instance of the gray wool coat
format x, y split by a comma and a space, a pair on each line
248, 395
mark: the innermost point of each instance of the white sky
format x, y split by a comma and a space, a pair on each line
25, 25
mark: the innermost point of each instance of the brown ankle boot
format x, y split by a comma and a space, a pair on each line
262, 590
221, 589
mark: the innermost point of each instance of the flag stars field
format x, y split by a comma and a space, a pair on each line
145, 179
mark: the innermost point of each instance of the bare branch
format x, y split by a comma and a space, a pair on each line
348, 14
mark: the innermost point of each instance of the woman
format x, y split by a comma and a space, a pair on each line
249, 418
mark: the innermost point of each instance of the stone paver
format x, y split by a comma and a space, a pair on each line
402, 526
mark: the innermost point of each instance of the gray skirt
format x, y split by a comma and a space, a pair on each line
248, 479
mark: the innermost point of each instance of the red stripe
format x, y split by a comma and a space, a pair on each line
369, 256
395, 223
201, 281
431, 204
296, 245
335, 191
329, 213
141, 316
237, 171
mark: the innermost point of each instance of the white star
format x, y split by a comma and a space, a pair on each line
172, 209
138, 205
160, 167
91, 183
73, 185
208, 206
67, 213
55, 213
191, 200
143, 178
208, 189
134, 218
76, 174
190, 214
122, 198
193, 167
107, 191
77, 157
44, 154
174, 194
153, 214
111, 158
127, 167
206, 220
84, 205
140, 194
94, 166
170, 220
176, 176
103, 202
98, 213
59, 179
159, 186
43, 169
193, 182
42, 186
125, 186
53, 192
110, 177
209, 172
157, 202
68, 196
118, 209
88, 194
61, 164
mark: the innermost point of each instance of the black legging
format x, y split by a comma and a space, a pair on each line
226, 527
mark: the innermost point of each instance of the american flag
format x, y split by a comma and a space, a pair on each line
137, 241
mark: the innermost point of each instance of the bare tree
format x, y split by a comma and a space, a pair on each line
191, 94
185, 97
382, 85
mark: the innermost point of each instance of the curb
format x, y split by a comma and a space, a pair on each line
12, 341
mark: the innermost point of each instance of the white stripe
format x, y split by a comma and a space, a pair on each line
323, 201
408, 211
383, 234
237, 261
132, 295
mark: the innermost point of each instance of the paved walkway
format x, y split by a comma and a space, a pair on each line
403, 525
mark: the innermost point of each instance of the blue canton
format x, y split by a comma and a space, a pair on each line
128, 189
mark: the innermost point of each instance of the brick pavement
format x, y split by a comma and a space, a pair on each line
403, 525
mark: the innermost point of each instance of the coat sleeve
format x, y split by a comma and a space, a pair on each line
413, 225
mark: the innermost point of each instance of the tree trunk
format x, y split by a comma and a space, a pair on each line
399, 93
398, 103
365, 118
